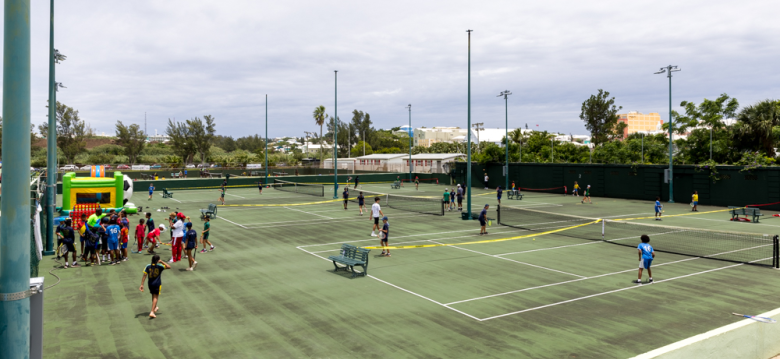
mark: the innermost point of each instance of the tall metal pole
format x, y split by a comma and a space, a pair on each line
468, 144
668, 70
671, 176
506, 93
336, 137
51, 143
410, 142
15, 206
710, 143
266, 140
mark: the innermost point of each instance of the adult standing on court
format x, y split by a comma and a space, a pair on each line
483, 220
460, 198
345, 195
376, 211
178, 235
486, 181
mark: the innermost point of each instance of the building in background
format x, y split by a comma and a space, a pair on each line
639, 122
399, 162
427, 136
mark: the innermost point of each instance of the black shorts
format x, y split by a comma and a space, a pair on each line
104, 244
460, 200
155, 289
88, 250
447, 202
71, 247
376, 220
384, 240
482, 222
191, 245
361, 203
346, 200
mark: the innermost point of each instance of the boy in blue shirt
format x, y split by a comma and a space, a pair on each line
151, 191
361, 202
658, 208
499, 192
483, 220
191, 238
345, 195
113, 241
68, 240
383, 233
646, 255
154, 272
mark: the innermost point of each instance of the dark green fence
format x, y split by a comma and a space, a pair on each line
733, 187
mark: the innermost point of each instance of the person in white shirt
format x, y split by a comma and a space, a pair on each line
486, 181
177, 236
376, 213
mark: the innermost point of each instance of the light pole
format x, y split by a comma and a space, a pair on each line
336, 136
468, 144
506, 93
668, 70
51, 138
266, 140
16, 201
710, 143
410, 142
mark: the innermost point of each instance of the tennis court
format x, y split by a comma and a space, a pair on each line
268, 289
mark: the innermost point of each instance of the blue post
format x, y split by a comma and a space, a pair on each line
15, 206
336, 138
51, 144
671, 124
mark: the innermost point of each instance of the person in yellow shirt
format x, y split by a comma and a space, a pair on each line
695, 201
576, 190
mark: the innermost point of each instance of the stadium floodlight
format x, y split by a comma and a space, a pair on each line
668, 70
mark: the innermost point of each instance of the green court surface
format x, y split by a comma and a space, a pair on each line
268, 290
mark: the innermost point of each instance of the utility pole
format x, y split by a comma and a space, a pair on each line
668, 70
336, 136
468, 144
506, 93
266, 140
145, 133
410, 142
51, 138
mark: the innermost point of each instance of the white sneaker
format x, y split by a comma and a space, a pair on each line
66, 264
372, 234
194, 264
189, 269
171, 260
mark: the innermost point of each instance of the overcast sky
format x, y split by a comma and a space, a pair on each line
181, 59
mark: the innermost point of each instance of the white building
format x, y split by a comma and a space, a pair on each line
399, 162
427, 136
158, 138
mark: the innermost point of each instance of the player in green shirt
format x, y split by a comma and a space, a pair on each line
586, 196
204, 236
447, 198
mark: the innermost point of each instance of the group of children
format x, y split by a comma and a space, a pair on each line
451, 196
104, 238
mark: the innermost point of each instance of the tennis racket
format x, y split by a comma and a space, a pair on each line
758, 319
382, 235
63, 250
691, 204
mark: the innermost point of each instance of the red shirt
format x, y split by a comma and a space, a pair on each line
154, 233
140, 231
124, 234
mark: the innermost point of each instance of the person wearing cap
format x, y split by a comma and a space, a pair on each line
153, 237
383, 233
460, 198
586, 196
177, 236
483, 220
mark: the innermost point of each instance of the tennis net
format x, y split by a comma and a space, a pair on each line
426, 205
748, 248
304, 188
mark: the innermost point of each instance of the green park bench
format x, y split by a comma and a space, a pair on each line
350, 257
395, 185
514, 195
167, 194
755, 213
210, 212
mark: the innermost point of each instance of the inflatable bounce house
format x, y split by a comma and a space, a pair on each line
97, 190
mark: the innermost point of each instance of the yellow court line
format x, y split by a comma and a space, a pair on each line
487, 240
279, 205
677, 215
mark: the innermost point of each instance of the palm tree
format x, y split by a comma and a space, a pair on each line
755, 124
518, 137
319, 118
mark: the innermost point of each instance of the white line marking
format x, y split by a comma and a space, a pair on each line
565, 282
403, 289
229, 221
604, 293
704, 336
314, 214
310, 222
406, 236
512, 260
233, 195
545, 249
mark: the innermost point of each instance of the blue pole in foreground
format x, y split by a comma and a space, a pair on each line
51, 145
15, 203
336, 137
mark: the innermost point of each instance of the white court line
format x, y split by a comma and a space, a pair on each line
306, 223
727, 221
396, 237
229, 221
347, 219
233, 195
314, 214
403, 289
565, 282
512, 260
604, 293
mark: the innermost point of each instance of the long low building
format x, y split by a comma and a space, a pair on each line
399, 162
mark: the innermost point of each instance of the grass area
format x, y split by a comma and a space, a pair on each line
268, 289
